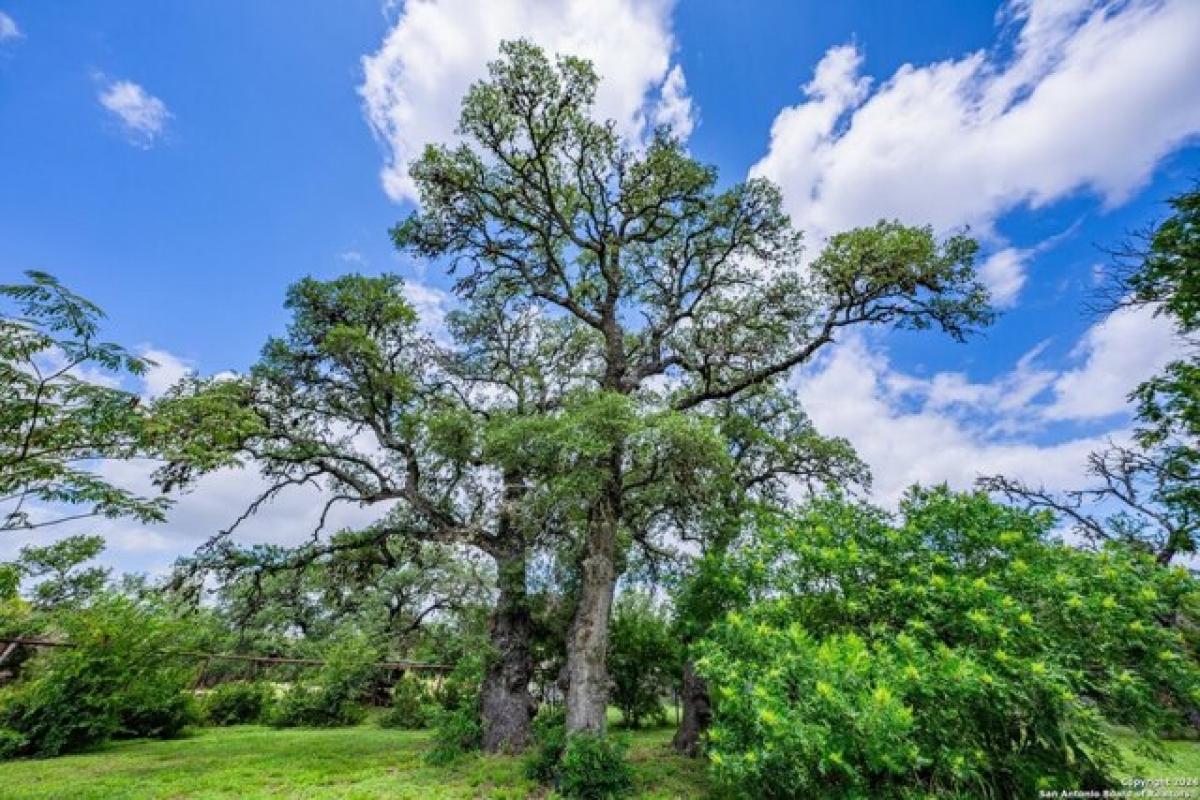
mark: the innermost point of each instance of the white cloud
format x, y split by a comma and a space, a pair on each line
212, 506
949, 428
413, 84
1009, 396
352, 257
166, 370
8, 28
1124, 349
431, 304
1094, 93
1004, 273
143, 116
850, 394
675, 106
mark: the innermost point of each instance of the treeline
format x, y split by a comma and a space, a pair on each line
606, 419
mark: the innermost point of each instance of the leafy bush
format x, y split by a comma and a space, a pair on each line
644, 659
579, 766
457, 728
594, 768
12, 743
454, 734
959, 652
411, 707
336, 698
238, 703
460, 688
549, 741
118, 680
157, 706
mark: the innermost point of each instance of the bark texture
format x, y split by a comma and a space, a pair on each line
697, 712
507, 707
587, 639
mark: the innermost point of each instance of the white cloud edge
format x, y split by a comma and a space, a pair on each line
142, 116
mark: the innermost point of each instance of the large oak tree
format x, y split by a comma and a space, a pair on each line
677, 293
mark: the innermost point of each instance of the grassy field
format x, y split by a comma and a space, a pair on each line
361, 762
1183, 761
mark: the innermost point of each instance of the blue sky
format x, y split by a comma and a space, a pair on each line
182, 163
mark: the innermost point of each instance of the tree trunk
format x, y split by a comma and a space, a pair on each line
506, 705
587, 639
697, 712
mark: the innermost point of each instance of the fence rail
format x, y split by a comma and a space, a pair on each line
316, 662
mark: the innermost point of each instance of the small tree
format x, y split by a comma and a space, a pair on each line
56, 418
643, 658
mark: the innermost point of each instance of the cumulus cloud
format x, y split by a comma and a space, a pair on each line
212, 505
1091, 94
852, 394
913, 429
165, 370
413, 84
1123, 350
8, 28
1004, 273
143, 117
674, 108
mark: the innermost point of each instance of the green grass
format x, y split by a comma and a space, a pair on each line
366, 762
1183, 760
361, 762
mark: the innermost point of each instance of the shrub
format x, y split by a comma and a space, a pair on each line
579, 766
644, 659
461, 686
958, 652
549, 741
238, 703
335, 700
594, 768
455, 733
410, 709
118, 679
457, 728
12, 743
159, 706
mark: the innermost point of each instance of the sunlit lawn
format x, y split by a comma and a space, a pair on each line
1183, 761
360, 762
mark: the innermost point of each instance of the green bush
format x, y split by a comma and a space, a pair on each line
156, 707
411, 706
549, 741
644, 659
957, 652
119, 679
336, 699
457, 728
12, 744
594, 768
455, 733
238, 703
579, 766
